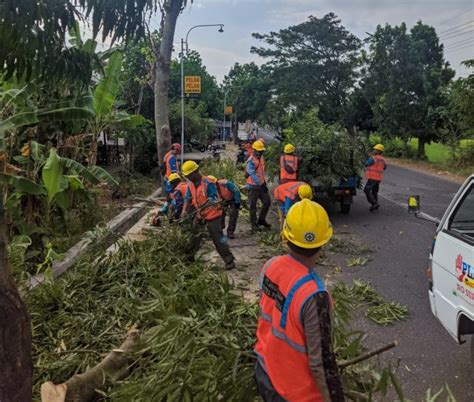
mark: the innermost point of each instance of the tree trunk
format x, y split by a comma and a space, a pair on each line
162, 52
84, 387
16, 368
236, 127
92, 160
421, 148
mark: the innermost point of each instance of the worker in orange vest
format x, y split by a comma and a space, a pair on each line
374, 168
230, 194
289, 164
171, 164
257, 185
295, 358
173, 207
203, 196
287, 194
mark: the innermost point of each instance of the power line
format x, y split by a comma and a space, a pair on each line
455, 28
459, 34
465, 46
461, 42
455, 17
460, 48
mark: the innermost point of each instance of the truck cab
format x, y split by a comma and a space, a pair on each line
451, 265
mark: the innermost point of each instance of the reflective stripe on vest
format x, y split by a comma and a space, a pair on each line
223, 191
290, 161
166, 160
289, 190
287, 285
200, 198
259, 170
375, 171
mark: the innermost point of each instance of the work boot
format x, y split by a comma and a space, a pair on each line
265, 224
255, 229
374, 207
230, 235
229, 265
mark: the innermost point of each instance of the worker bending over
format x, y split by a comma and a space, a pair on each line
230, 195
257, 185
171, 164
176, 197
203, 196
289, 164
289, 193
296, 360
374, 168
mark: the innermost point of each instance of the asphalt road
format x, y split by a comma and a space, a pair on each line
429, 357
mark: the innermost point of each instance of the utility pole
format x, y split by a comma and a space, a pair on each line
223, 127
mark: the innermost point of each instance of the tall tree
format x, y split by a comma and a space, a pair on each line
33, 47
313, 64
162, 49
406, 76
248, 90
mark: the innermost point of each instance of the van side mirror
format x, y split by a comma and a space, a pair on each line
414, 204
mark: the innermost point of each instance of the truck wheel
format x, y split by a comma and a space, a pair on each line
345, 208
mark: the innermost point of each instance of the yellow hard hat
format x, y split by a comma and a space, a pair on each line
289, 149
307, 225
305, 191
173, 177
189, 167
212, 178
379, 147
258, 146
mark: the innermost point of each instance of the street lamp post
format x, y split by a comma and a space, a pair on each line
183, 49
223, 127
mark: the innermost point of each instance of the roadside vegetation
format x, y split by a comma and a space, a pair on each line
83, 132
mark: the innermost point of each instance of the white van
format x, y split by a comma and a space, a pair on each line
451, 269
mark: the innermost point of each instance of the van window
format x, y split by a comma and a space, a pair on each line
462, 220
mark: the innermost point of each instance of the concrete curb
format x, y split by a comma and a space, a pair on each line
120, 224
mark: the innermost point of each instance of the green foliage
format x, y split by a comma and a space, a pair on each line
107, 89
196, 126
248, 90
405, 76
329, 153
313, 64
223, 169
197, 333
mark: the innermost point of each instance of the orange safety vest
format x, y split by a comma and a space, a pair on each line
223, 191
182, 187
259, 168
200, 198
286, 285
289, 190
375, 171
290, 161
166, 160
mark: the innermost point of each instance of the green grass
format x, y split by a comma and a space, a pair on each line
439, 153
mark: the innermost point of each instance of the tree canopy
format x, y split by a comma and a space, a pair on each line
313, 64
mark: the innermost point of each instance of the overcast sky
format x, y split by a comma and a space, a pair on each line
453, 20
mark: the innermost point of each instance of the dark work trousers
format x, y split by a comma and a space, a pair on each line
255, 195
265, 387
233, 216
217, 236
371, 190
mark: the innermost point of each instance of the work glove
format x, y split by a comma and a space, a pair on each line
237, 205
